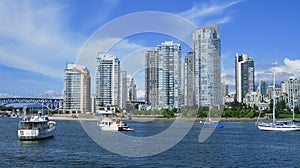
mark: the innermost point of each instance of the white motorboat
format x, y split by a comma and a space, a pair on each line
36, 127
278, 125
107, 111
13, 115
113, 124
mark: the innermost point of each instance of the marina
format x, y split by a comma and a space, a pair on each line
238, 144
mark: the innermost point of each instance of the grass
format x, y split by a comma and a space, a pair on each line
288, 115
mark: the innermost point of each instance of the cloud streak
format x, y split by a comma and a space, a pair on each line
214, 13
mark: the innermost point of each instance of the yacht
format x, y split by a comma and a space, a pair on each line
113, 124
278, 125
36, 127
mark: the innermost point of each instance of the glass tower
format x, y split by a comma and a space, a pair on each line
244, 74
207, 66
163, 76
189, 94
107, 81
151, 72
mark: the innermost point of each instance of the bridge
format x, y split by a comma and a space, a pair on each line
51, 103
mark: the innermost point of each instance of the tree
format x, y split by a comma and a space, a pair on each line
227, 113
202, 112
297, 109
281, 106
168, 113
251, 114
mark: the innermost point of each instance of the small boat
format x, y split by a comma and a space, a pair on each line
13, 115
211, 124
113, 124
36, 127
278, 125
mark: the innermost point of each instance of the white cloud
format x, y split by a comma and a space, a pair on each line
4, 95
229, 80
290, 66
50, 94
219, 21
202, 11
32, 37
140, 95
282, 72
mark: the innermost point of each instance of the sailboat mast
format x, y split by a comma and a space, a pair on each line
293, 107
274, 94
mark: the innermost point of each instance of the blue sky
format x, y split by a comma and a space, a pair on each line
37, 38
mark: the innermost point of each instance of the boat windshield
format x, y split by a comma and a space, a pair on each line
31, 125
27, 125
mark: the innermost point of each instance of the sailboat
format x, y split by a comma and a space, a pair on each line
278, 125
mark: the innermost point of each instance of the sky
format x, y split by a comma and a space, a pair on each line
38, 38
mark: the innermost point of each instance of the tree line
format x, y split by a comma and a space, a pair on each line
234, 109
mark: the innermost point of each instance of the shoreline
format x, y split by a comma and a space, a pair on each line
148, 119
154, 119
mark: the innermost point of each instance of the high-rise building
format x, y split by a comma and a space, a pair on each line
151, 73
263, 88
77, 88
123, 89
291, 88
224, 89
163, 76
107, 81
127, 89
189, 94
207, 66
131, 88
244, 76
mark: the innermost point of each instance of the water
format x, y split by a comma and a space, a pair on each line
238, 144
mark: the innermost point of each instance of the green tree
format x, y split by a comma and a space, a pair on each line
297, 109
202, 112
227, 113
251, 114
281, 107
168, 113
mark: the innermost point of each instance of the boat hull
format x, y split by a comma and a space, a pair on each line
109, 124
115, 128
109, 128
35, 134
212, 125
278, 128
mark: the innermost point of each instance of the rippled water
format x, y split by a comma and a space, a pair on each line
238, 144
